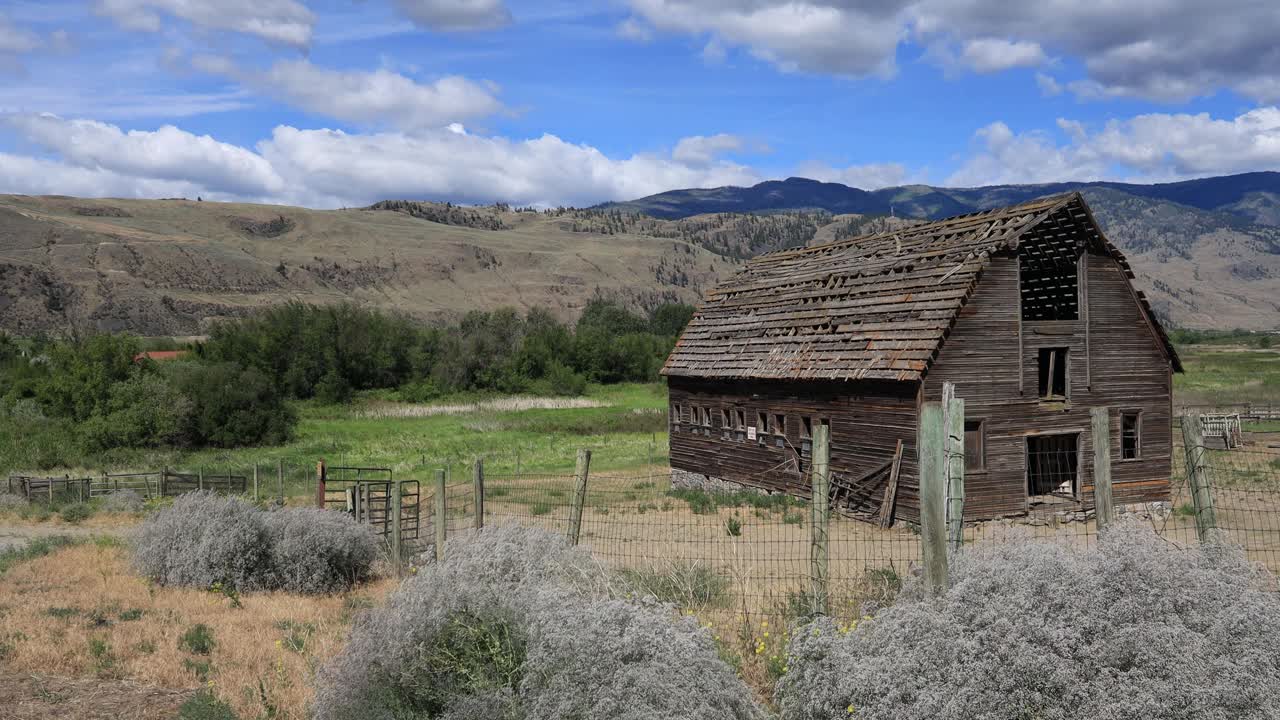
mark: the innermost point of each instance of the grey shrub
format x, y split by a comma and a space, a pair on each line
517, 625
1134, 629
203, 539
122, 501
9, 502
318, 551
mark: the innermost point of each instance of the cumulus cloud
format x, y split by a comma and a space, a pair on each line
796, 35
1148, 147
871, 176
329, 168
456, 14
1049, 87
167, 154
702, 150
379, 97
1159, 49
284, 22
633, 29
986, 55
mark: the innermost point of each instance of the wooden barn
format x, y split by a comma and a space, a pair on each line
1028, 310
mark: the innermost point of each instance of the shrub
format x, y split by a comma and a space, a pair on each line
204, 706
12, 503
203, 539
122, 501
689, 585
75, 512
317, 551
198, 640
516, 624
1134, 629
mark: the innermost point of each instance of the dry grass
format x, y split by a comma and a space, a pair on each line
82, 612
515, 403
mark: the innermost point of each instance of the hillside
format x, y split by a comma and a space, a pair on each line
1207, 252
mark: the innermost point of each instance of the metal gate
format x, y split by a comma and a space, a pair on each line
367, 494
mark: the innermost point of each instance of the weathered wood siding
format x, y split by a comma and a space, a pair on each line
1124, 370
867, 419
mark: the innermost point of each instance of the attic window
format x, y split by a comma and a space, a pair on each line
1049, 272
1130, 436
1053, 365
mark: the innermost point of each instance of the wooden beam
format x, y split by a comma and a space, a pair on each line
819, 517
891, 489
1104, 509
933, 496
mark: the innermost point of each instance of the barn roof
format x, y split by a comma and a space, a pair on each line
872, 307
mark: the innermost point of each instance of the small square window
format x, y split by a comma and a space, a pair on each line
1130, 436
975, 451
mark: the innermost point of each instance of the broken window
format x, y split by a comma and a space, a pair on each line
975, 454
1130, 436
1053, 373
675, 417
806, 427
762, 422
779, 425
1052, 462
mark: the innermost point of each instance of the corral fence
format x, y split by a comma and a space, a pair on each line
754, 553
159, 483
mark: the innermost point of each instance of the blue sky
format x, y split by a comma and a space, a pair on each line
338, 102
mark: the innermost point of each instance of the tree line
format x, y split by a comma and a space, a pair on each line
101, 392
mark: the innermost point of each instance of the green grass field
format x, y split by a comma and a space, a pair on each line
1217, 375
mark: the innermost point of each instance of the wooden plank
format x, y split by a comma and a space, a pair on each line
579, 495
478, 493
1104, 508
441, 517
953, 411
891, 489
819, 518
1198, 478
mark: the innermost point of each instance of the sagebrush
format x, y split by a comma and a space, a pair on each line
517, 625
204, 540
122, 501
1134, 629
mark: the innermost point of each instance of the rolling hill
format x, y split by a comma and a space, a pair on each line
1207, 252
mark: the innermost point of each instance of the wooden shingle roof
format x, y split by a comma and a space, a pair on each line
872, 307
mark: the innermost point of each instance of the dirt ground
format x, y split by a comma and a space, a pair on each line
41, 697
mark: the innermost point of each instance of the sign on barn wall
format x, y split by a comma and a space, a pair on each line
751, 433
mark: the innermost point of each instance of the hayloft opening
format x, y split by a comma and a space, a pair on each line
1052, 465
1053, 365
1050, 279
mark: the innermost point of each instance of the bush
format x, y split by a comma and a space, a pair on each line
203, 539
75, 512
198, 640
11, 503
232, 406
318, 552
122, 501
1134, 629
516, 624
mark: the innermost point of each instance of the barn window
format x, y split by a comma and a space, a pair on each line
724, 418
706, 417
741, 417
806, 427
975, 450
1130, 436
779, 425
762, 422
675, 417
1053, 373
1048, 270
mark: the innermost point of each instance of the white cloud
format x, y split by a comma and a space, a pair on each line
456, 14
795, 35
1049, 87
286, 22
379, 97
633, 29
702, 150
15, 40
1149, 147
328, 168
166, 154
986, 55
871, 176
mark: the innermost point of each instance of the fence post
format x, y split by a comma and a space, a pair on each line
1198, 475
440, 515
280, 479
200, 478
933, 496
579, 495
1103, 503
819, 517
255, 481
953, 414
320, 479
479, 493
396, 504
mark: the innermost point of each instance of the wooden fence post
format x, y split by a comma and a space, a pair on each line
933, 496
200, 478
280, 479
1198, 476
440, 527
397, 499
255, 481
579, 495
953, 412
1103, 503
479, 493
320, 481
819, 517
